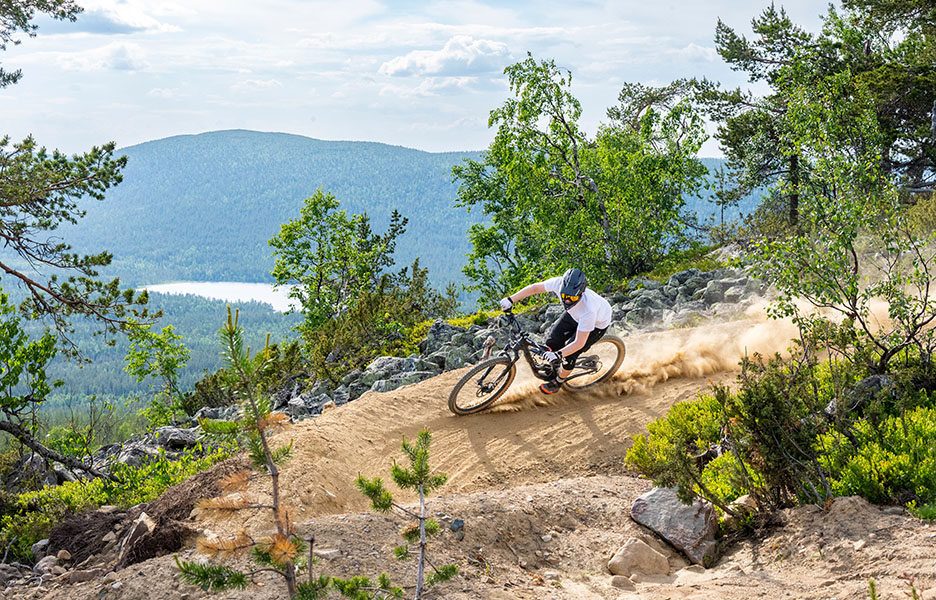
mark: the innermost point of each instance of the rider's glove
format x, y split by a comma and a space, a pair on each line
506, 304
552, 356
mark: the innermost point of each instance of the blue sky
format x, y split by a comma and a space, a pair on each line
417, 74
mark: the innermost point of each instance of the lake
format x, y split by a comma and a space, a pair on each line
228, 291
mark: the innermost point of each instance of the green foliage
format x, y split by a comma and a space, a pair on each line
799, 431
157, 355
925, 511
329, 258
211, 578
17, 16
381, 322
553, 198
892, 461
921, 217
360, 587
23, 361
314, 589
40, 191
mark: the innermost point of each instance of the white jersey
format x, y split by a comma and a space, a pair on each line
591, 312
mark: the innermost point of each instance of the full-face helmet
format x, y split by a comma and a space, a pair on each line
573, 287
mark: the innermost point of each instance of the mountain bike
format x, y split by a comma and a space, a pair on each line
488, 380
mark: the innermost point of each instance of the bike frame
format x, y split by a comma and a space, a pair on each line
520, 343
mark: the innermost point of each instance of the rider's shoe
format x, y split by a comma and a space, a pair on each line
551, 387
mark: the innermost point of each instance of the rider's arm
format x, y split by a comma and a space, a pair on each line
580, 338
533, 288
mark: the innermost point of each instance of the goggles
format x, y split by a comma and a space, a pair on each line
567, 299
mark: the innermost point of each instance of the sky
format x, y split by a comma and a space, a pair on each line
419, 74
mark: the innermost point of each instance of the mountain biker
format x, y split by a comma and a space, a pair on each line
586, 318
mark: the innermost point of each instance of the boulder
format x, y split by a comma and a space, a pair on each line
439, 334
636, 555
690, 528
174, 438
45, 564
306, 405
39, 548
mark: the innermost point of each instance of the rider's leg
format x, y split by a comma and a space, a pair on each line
568, 362
563, 330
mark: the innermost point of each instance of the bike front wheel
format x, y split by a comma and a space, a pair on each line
482, 385
597, 364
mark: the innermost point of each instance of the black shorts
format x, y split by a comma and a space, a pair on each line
563, 331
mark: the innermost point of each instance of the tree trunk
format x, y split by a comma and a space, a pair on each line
794, 197
422, 544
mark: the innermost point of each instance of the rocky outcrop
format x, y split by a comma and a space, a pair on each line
686, 299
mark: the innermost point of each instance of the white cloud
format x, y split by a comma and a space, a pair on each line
120, 56
121, 17
461, 55
698, 53
161, 93
256, 84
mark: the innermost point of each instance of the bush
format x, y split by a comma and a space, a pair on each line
893, 461
799, 431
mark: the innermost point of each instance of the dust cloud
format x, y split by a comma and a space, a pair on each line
654, 358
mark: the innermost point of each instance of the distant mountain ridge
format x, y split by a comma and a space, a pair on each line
203, 207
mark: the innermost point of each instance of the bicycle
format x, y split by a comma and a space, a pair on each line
488, 380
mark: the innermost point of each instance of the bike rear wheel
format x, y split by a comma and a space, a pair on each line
597, 364
482, 385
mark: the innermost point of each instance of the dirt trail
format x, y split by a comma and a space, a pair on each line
525, 438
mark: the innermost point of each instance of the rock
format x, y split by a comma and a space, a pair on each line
734, 294
859, 545
217, 413
110, 536
111, 577
327, 553
636, 555
894, 510
714, 292
439, 334
63, 554
551, 576
39, 548
623, 583
457, 357
341, 396
306, 405
386, 365
58, 570
457, 525
82, 576
690, 528
143, 525
45, 565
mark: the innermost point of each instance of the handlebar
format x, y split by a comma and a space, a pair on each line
534, 347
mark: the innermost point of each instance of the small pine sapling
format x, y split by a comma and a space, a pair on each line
282, 552
419, 479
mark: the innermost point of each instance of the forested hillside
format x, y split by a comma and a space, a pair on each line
203, 207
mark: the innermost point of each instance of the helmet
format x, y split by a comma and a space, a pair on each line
573, 287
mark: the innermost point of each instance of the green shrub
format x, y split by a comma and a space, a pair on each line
893, 460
